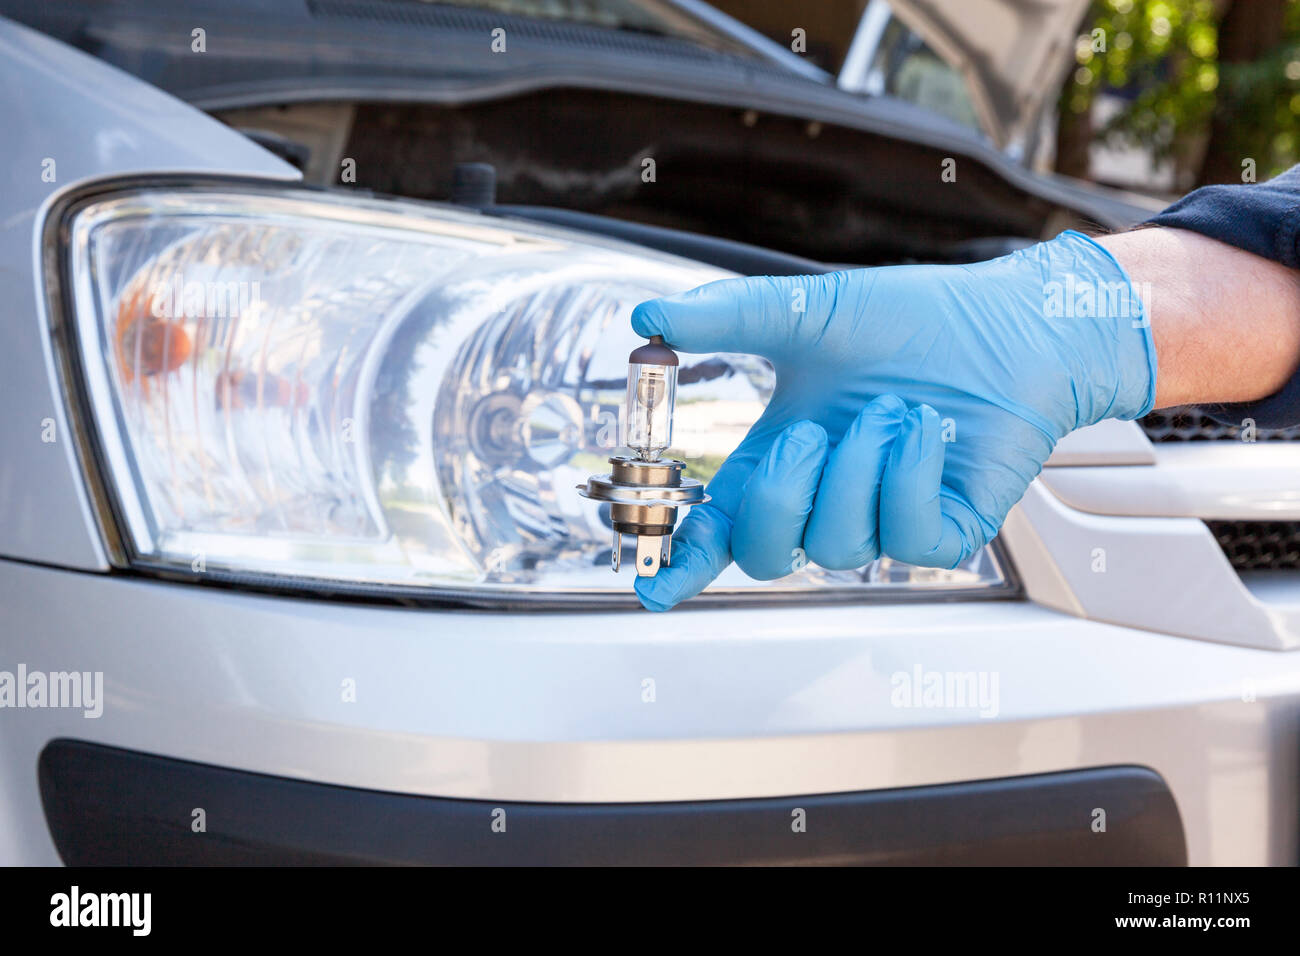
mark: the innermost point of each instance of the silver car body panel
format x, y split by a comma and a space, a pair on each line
1165, 574
554, 707
70, 117
1225, 480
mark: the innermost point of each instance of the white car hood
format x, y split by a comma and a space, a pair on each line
1013, 53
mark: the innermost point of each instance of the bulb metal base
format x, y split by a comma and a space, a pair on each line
643, 499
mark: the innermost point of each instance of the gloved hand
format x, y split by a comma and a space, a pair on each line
913, 404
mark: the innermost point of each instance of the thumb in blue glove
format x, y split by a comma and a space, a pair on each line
913, 404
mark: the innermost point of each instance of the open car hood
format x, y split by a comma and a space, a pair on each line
1013, 53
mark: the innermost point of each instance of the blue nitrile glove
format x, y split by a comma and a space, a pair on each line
913, 404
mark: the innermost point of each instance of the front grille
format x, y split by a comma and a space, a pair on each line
1259, 545
1189, 423
1249, 545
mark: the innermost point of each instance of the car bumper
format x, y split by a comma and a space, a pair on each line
628, 708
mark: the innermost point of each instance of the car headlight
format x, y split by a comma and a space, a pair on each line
297, 388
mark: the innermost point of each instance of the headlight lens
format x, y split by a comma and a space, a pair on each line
387, 395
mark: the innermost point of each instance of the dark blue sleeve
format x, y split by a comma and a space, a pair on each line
1263, 218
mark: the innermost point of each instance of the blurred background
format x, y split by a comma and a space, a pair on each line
1165, 95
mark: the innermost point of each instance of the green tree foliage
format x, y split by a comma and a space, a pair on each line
1165, 55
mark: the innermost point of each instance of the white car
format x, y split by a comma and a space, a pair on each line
292, 564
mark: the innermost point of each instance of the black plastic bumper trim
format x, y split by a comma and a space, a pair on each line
108, 806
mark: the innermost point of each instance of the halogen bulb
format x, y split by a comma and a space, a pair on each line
651, 393
644, 490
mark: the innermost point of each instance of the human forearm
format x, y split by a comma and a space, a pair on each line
1226, 322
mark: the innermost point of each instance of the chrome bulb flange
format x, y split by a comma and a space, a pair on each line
643, 499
